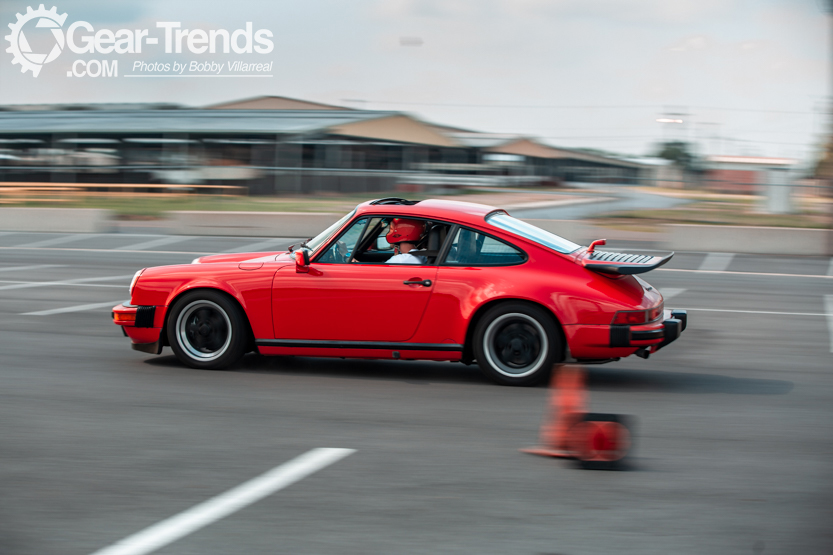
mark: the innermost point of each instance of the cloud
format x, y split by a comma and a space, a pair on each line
493, 52
98, 11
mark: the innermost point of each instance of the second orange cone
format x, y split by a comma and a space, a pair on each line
567, 407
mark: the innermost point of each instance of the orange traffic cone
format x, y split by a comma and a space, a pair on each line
568, 405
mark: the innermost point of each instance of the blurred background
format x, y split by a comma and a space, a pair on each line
686, 112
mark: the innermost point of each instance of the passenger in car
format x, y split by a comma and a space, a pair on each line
405, 234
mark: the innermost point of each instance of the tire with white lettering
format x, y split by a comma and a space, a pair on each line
207, 329
516, 343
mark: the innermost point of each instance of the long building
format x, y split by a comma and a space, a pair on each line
276, 145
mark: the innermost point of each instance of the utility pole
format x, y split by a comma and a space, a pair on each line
824, 170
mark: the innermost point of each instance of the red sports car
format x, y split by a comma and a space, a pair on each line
475, 284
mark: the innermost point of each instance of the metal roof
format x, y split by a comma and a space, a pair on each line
483, 140
181, 121
753, 160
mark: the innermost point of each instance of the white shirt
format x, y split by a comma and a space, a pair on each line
407, 258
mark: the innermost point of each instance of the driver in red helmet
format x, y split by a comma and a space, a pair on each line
405, 234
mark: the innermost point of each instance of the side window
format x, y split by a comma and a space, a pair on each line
471, 248
342, 250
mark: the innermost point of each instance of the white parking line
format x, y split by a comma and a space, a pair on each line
33, 284
761, 312
24, 268
260, 245
59, 240
670, 293
76, 308
199, 516
154, 243
68, 249
828, 307
731, 273
59, 284
717, 261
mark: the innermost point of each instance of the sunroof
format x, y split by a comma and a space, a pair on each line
394, 200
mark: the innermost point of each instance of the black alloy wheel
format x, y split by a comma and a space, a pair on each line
516, 343
206, 329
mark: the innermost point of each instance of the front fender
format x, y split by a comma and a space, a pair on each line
252, 289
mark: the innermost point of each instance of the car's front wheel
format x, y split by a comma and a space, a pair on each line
516, 344
207, 330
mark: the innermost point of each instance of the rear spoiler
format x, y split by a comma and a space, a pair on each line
622, 264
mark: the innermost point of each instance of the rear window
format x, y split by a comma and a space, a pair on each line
529, 231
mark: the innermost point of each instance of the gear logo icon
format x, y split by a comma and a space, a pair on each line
23, 53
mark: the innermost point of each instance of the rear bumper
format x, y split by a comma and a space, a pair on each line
603, 342
656, 335
142, 324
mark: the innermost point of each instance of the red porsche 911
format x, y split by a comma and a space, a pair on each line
409, 280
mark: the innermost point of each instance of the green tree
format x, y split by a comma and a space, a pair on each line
677, 151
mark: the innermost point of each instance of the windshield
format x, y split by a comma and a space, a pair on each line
529, 231
322, 237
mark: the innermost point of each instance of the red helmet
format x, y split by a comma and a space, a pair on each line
403, 230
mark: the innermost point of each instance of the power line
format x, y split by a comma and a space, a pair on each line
654, 137
531, 106
580, 106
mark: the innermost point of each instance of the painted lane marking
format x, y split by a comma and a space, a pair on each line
730, 273
35, 267
76, 308
255, 247
670, 293
830, 268
761, 312
60, 284
204, 253
154, 243
185, 523
32, 284
59, 240
717, 261
828, 307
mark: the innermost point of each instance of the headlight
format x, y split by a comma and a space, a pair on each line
134, 280
196, 260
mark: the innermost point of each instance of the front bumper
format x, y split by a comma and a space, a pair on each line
653, 336
142, 324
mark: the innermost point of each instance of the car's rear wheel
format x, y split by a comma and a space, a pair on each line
516, 344
207, 330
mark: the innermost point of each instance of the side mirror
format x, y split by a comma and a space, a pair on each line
302, 260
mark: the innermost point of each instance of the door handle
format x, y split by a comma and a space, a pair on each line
424, 282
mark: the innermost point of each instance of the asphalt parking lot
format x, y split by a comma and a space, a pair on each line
99, 442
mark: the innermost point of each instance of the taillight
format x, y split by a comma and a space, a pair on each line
636, 317
630, 317
655, 313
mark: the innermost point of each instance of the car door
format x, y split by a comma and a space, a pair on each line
475, 269
342, 300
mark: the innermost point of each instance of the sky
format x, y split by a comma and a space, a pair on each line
746, 77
